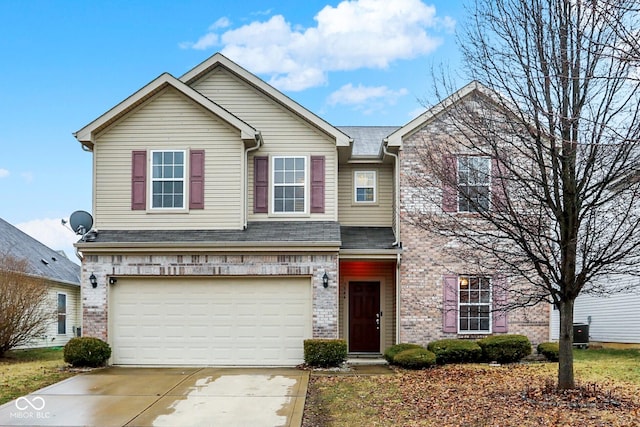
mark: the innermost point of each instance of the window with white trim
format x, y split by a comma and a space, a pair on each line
364, 183
62, 314
474, 183
474, 304
167, 179
289, 184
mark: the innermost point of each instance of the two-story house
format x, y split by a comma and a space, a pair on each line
232, 223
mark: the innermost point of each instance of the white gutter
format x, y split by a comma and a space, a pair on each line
245, 210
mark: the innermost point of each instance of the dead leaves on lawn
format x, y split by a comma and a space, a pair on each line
467, 395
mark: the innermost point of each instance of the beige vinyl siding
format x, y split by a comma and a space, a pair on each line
284, 134
384, 272
378, 214
169, 121
51, 337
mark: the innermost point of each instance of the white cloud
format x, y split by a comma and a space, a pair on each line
220, 23
352, 35
356, 95
53, 234
4, 173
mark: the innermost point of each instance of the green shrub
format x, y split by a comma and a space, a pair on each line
391, 352
324, 352
505, 348
86, 351
455, 351
415, 358
549, 350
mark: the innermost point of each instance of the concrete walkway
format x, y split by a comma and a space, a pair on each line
166, 397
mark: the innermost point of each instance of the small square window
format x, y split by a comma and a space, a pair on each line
364, 183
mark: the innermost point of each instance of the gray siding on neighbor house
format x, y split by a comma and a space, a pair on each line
612, 319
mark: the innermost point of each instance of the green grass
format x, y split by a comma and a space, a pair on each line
25, 371
597, 365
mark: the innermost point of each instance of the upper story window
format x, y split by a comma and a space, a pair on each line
474, 183
365, 186
167, 179
289, 184
474, 304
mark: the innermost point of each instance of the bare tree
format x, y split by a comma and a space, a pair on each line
25, 311
541, 153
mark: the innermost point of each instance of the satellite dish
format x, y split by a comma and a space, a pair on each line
81, 222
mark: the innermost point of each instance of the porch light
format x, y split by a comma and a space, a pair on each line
93, 280
325, 280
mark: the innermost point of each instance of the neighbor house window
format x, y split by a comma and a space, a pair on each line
474, 180
167, 179
365, 186
474, 304
62, 314
289, 184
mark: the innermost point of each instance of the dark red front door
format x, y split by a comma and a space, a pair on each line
364, 320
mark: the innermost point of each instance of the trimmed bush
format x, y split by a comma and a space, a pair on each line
415, 358
455, 351
86, 351
549, 350
505, 348
325, 352
391, 352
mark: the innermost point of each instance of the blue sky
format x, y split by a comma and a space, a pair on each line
64, 63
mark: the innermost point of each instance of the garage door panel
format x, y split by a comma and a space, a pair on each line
243, 321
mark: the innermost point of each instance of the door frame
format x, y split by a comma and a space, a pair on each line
345, 309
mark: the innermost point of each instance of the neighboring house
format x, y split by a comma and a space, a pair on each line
60, 275
614, 320
232, 224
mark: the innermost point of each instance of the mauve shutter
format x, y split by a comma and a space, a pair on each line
196, 179
450, 303
317, 184
449, 184
138, 180
260, 184
499, 288
498, 183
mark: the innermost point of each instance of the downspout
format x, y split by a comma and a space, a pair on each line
259, 142
396, 184
397, 243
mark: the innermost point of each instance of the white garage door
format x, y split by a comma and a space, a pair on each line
222, 321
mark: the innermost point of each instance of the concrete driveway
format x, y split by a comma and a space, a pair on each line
166, 397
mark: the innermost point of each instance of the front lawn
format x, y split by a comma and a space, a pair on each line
25, 371
480, 395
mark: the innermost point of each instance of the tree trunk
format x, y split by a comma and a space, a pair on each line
565, 362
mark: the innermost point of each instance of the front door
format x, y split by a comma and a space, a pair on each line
364, 317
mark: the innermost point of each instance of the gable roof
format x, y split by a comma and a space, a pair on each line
219, 60
42, 261
86, 134
395, 139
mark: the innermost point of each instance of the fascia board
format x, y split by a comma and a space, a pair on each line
86, 134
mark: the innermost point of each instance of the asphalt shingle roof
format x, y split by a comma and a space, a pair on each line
367, 140
43, 261
269, 231
367, 237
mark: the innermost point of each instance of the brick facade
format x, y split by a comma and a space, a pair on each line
427, 258
325, 301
